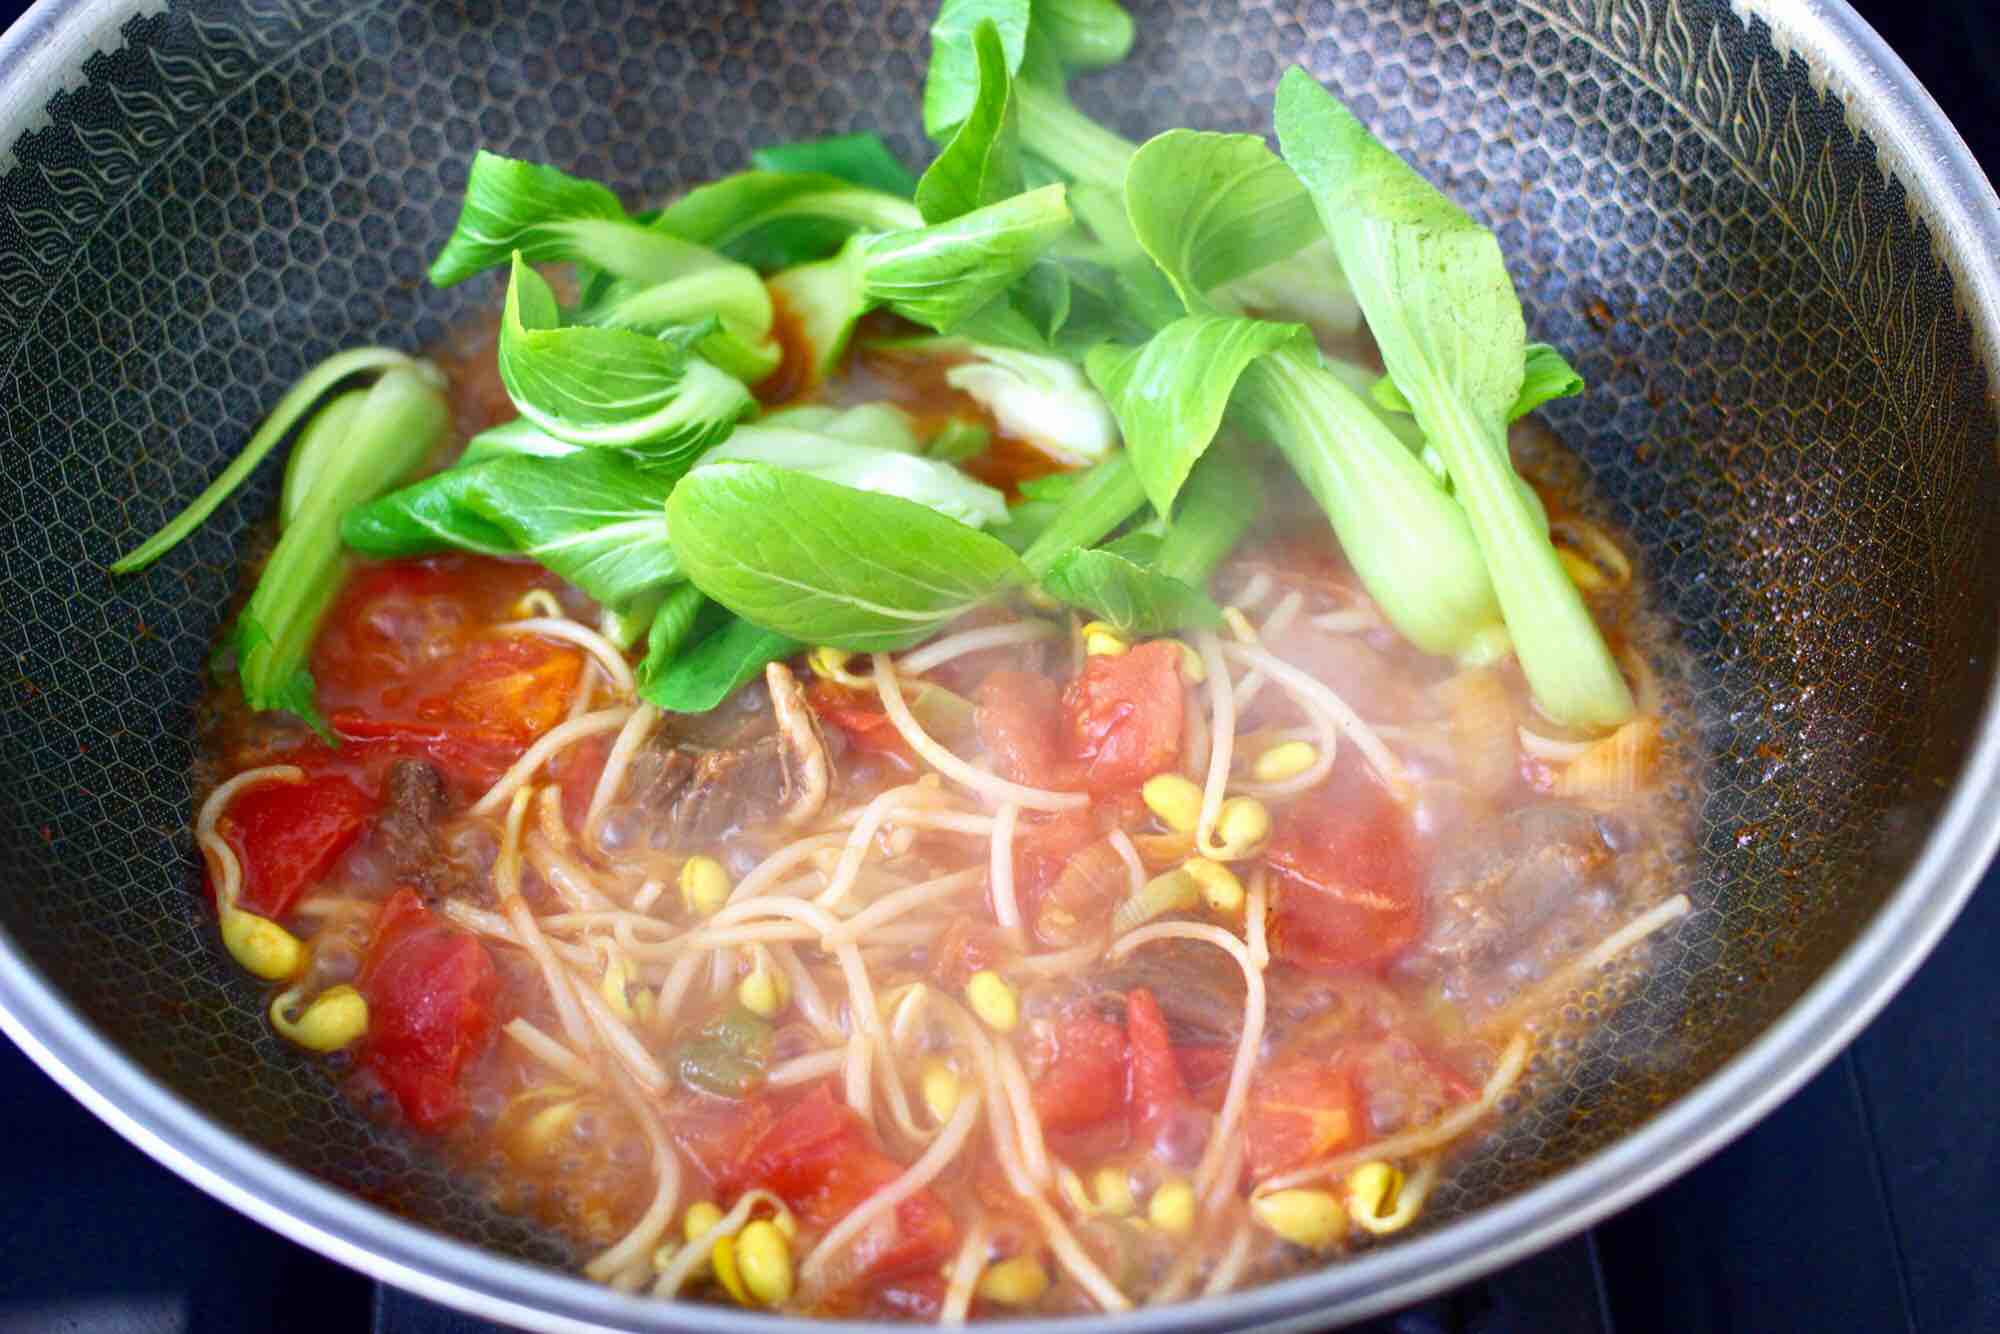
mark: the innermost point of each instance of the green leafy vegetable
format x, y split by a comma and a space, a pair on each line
1434, 288
1032, 396
827, 564
544, 213
1089, 504
673, 625
958, 440
593, 517
728, 1056
721, 662
862, 159
1211, 208
776, 220
1544, 376
1170, 393
937, 276
610, 387
517, 437
298, 401
1084, 34
433, 515
887, 472
981, 164
1143, 585
349, 460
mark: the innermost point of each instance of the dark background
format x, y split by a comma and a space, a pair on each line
1868, 1202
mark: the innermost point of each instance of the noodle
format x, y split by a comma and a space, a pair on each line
991, 786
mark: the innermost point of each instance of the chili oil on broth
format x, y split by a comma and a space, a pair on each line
575, 1150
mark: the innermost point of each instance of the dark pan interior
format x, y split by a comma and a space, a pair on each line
1786, 409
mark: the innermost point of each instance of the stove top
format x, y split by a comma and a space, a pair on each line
1867, 1202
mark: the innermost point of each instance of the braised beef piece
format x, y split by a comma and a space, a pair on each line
1504, 883
413, 806
1199, 990
696, 795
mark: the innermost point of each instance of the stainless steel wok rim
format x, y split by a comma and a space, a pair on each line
43, 52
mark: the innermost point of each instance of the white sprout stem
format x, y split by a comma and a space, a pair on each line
1447, 1128
638, 1243
1230, 1265
1304, 686
1021, 1102
602, 651
550, 1052
857, 1082
691, 1256
932, 656
1006, 910
806, 1069
1135, 869
989, 785
1253, 1021
630, 737
891, 906
1279, 621
966, 1267
1222, 707
855, 853
552, 742
768, 872
921, 1173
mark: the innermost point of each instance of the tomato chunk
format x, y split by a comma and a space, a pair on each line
1158, 1094
1019, 716
1085, 1083
407, 662
288, 836
430, 990
1344, 863
819, 1158
1123, 716
859, 717
1299, 1111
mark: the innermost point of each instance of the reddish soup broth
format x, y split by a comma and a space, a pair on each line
1092, 1066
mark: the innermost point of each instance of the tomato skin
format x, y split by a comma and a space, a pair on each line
1157, 1092
1299, 1111
431, 991
288, 835
819, 1158
1085, 1083
1116, 724
1206, 1070
1344, 864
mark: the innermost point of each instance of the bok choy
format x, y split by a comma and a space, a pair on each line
1438, 300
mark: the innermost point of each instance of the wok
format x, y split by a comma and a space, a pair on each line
1753, 232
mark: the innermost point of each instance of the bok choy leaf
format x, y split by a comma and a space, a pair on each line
1435, 291
981, 163
827, 564
862, 159
1545, 376
937, 276
610, 387
713, 667
887, 472
778, 219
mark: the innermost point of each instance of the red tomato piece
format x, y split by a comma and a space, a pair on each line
577, 770
1205, 1070
288, 835
1158, 1095
1019, 716
431, 991
1345, 865
819, 1158
471, 758
858, 717
1123, 716
1299, 1111
1085, 1083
